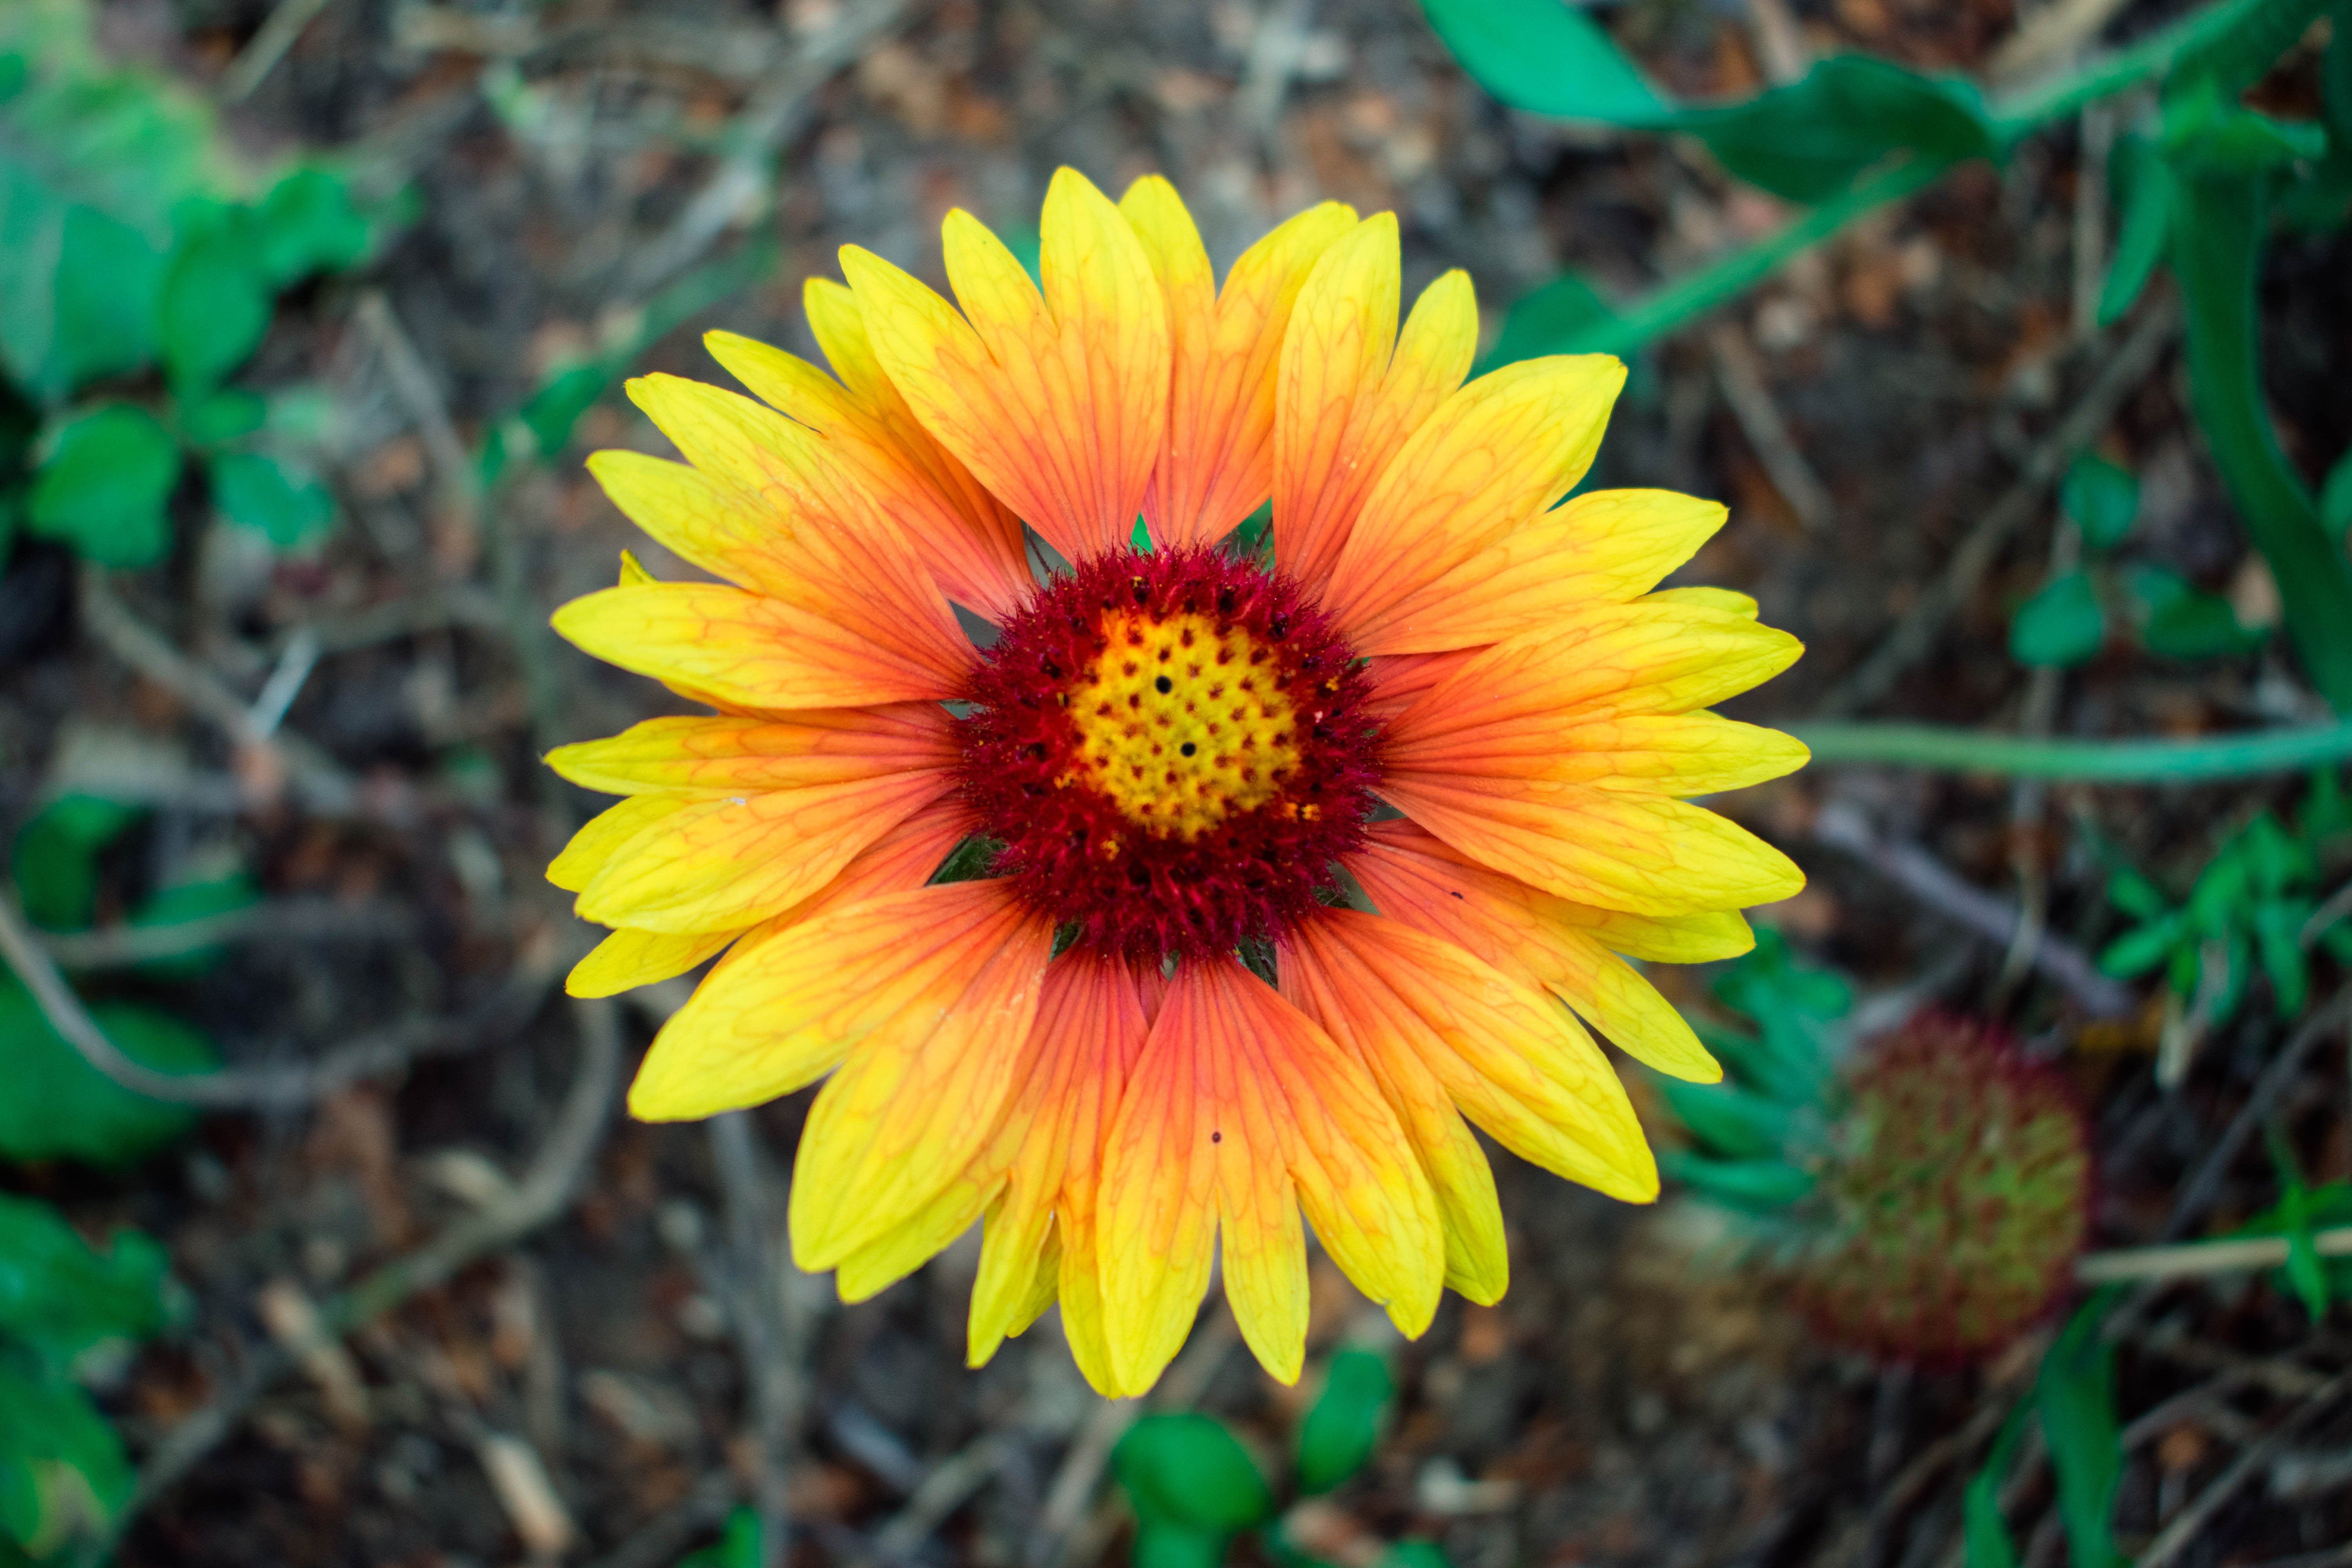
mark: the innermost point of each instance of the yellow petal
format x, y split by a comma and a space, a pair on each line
628, 959
1517, 1066
1218, 464
736, 755
1492, 459
1659, 753
1606, 547
1057, 401
593, 846
1344, 402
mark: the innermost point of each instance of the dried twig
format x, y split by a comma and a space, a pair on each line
2193, 1260
1989, 916
296, 1084
267, 46
544, 1192
412, 382
1913, 636
943, 1491
113, 947
1746, 387
777, 1393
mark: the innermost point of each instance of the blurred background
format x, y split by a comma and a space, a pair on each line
2014, 334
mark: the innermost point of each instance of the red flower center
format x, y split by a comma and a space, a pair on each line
1172, 749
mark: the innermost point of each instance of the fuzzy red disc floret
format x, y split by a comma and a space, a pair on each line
1074, 853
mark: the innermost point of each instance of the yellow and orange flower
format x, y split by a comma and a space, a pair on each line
1447, 688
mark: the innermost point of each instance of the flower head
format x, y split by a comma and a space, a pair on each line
1168, 756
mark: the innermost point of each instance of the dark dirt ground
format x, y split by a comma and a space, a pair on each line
1628, 1403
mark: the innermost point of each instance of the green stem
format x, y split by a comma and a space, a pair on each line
1673, 305
2097, 762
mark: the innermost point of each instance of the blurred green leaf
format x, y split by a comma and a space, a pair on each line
1983, 1530
2134, 894
257, 492
1416, 1554
109, 278
63, 1474
219, 418
1189, 1471
1343, 1426
2278, 932
215, 305
54, 858
58, 1297
2077, 1397
196, 900
2102, 499
106, 486
2179, 620
1553, 313
1794, 1008
59, 1107
2062, 626
1729, 1120
1808, 140
738, 1545
2137, 952
2143, 185
1547, 58
309, 224
1027, 245
2335, 497
1159, 1544
1755, 1186
2216, 249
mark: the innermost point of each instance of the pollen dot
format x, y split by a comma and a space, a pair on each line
1163, 686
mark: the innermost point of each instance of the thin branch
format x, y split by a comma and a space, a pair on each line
1746, 387
249, 1088
412, 382
1915, 634
2195, 1259
770, 1364
115, 947
1986, 915
267, 46
544, 1192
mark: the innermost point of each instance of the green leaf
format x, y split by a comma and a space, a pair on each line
1027, 245
2278, 931
1753, 1187
1808, 140
2101, 498
1343, 1426
2136, 896
2077, 1397
1546, 318
1416, 1554
59, 1107
1543, 56
2137, 952
2336, 495
2142, 182
58, 1297
54, 858
219, 418
2062, 626
2216, 252
309, 224
738, 1545
215, 305
1140, 537
1159, 1544
290, 510
1189, 1471
1728, 1121
193, 900
109, 276
64, 1476
106, 486
2179, 620
1984, 1531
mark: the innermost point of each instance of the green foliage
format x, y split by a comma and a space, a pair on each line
2101, 499
2335, 496
1543, 320
2075, 1396
1549, 58
1194, 1487
128, 244
1984, 1532
2244, 913
738, 1545
59, 1107
1343, 1426
63, 1473
54, 858
2179, 620
2062, 626
106, 486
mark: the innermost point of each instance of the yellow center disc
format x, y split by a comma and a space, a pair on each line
1179, 725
